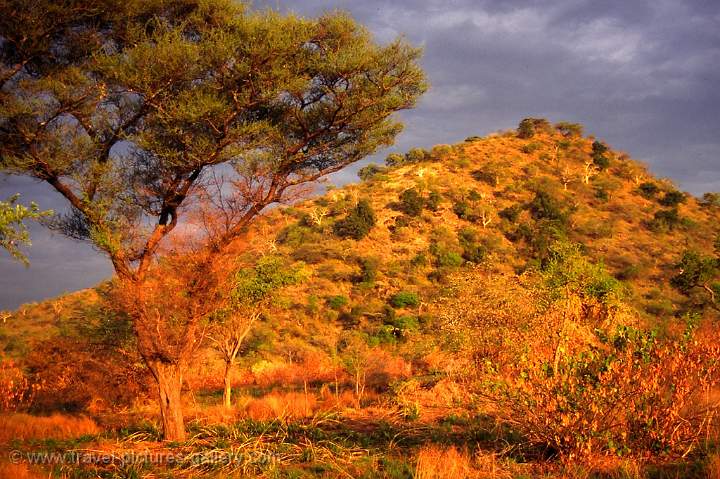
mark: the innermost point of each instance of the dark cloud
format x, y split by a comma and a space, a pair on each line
642, 75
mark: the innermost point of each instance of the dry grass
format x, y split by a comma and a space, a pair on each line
19, 471
279, 406
712, 469
24, 426
435, 462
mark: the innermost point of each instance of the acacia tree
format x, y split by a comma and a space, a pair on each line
125, 114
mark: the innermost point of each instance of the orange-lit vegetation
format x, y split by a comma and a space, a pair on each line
484, 310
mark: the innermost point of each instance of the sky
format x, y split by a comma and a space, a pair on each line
644, 76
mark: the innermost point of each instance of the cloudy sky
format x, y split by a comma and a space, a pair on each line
642, 75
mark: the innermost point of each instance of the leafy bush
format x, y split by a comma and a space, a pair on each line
394, 159
698, 272
404, 299
710, 200
369, 172
530, 126
664, 221
598, 155
511, 213
473, 251
358, 223
648, 189
672, 198
416, 155
368, 269
631, 393
411, 203
545, 206
337, 302
568, 129
433, 201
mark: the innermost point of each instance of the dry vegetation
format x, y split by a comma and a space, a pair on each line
509, 314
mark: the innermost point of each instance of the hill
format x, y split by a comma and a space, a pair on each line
391, 265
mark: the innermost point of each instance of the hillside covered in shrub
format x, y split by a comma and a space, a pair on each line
528, 298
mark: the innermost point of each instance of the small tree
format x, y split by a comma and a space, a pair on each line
411, 203
696, 271
253, 289
358, 223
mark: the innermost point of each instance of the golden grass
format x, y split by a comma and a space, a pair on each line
712, 469
24, 426
279, 406
19, 471
435, 462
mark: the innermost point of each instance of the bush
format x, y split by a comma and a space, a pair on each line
404, 299
545, 206
511, 213
473, 251
358, 223
416, 155
672, 198
394, 159
568, 129
369, 172
664, 221
411, 203
630, 394
530, 126
338, 302
598, 155
648, 190
710, 200
368, 270
433, 201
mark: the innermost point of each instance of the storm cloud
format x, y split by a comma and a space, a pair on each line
641, 75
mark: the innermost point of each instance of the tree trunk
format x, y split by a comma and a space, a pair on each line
227, 392
169, 379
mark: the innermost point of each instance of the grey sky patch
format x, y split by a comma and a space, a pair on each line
642, 75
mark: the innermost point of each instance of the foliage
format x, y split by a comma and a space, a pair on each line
13, 232
367, 173
664, 221
338, 302
544, 206
711, 200
404, 299
411, 202
358, 223
598, 155
672, 198
568, 129
630, 394
696, 271
567, 271
648, 189
530, 126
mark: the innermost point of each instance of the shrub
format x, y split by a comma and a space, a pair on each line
368, 269
394, 159
338, 302
648, 189
473, 138
416, 155
358, 223
511, 213
545, 206
473, 251
710, 200
530, 126
568, 129
630, 394
664, 221
598, 155
404, 299
411, 203
673, 198
433, 201
368, 172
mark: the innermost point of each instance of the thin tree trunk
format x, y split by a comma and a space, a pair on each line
227, 391
169, 379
